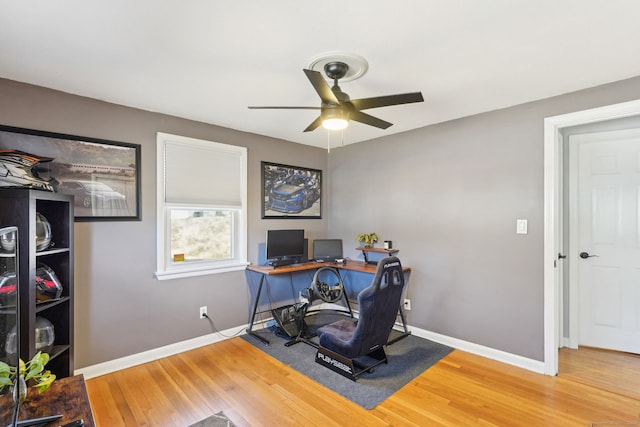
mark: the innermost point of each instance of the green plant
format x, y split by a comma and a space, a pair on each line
367, 238
33, 373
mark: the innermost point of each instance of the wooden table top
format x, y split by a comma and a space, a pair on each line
349, 265
66, 396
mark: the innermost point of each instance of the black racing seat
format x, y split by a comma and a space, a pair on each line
352, 347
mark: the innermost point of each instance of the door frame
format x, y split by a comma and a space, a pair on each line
553, 220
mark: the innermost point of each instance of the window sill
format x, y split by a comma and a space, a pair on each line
178, 274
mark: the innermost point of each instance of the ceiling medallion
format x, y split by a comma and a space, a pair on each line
358, 66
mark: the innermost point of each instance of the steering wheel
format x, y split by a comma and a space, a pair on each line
326, 292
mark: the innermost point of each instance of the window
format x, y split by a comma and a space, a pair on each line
202, 196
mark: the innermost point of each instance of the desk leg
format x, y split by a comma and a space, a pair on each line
405, 333
344, 294
346, 299
404, 326
255, 310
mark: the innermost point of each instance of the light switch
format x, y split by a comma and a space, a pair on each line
521, 226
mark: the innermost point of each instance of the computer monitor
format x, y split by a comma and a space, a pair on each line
327, 249
285, 244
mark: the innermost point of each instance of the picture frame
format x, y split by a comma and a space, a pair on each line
291, 192
102, 175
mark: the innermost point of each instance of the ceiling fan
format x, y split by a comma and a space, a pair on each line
337, 108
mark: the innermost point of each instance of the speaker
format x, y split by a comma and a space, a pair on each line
262, 253
305, 253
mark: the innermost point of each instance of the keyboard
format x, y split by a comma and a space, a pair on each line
282, 262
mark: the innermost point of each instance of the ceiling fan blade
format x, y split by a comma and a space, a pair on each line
361, 117
322, 87
314, 125
384, 101
283, 108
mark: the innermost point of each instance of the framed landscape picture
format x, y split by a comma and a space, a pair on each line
291, 191
103, 176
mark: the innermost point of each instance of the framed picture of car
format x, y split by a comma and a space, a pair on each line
103, 176
291, 191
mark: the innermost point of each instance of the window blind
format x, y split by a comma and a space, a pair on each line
202, 172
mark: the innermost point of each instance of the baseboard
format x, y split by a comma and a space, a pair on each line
480, 350
170, 350
157, 353
566, 342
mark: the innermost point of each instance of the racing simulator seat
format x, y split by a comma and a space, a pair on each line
350, 347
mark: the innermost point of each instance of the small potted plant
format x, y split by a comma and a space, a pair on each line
367, 239
32, 373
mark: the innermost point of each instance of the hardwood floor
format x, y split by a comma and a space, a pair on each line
255, 390
609, 370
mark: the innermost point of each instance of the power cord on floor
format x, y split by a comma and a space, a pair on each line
215, 330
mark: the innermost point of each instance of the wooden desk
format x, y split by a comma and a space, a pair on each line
66, 396
358, 266
350, 265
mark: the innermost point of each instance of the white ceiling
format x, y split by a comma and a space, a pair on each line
209, 60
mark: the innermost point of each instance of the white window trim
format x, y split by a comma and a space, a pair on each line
163, 272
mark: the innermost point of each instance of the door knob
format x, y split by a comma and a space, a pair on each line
585, 255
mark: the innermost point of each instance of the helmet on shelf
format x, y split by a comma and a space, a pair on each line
43, 232
43, 236
48, 286
8, 242
45, 337
22, 170
8, 288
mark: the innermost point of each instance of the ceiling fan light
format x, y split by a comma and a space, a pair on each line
335, 119
335, 124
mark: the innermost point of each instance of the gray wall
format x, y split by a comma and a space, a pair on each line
448, 196
120, 308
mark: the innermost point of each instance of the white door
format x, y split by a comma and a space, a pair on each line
606, 247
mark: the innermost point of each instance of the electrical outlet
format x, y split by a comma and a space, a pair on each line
407, 304
203, 312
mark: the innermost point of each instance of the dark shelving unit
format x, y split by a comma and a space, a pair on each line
19, 207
